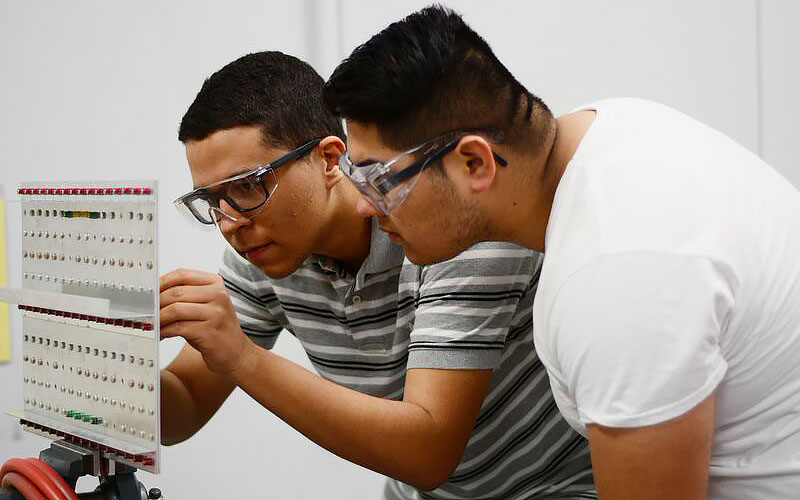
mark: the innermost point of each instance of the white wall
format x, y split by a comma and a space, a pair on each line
698, 56
780, 85
95, 90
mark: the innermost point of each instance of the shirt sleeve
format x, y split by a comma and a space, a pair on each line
466, 306
255, 303
636, 336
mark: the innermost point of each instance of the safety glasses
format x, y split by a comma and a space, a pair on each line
387, 185
244, 193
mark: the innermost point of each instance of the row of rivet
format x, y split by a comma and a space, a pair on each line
86, 236
113, 379
76, 281
86, 259
56, 344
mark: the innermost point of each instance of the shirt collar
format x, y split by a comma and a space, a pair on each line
383, 255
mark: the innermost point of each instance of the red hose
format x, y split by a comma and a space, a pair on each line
35, 480
58, 481
22, 485
34, 475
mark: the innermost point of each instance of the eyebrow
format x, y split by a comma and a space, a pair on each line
243, 171
367, 161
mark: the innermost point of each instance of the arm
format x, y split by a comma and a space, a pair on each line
419, 440
634, 344
668, 461
190, 395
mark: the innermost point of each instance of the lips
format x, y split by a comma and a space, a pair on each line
254, 252
393, 236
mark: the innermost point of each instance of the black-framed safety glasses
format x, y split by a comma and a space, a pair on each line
244, 193
387, 185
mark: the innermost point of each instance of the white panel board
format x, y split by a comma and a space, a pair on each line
90, 316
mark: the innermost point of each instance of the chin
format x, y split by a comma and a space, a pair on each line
425, 259
275, 275
278, 270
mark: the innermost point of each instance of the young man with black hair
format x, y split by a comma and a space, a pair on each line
427, 373
668, 309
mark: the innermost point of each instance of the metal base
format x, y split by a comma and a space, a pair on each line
117, 481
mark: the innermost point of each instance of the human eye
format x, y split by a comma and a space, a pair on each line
245, 191
245, 184
367, 164
400, 163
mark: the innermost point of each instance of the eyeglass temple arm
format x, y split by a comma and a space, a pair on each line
297, 153
388, 184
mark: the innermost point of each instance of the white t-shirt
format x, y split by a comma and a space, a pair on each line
671, 270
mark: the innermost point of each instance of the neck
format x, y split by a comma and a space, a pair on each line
525, 220
347, 238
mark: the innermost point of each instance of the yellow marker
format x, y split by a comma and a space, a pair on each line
5, 331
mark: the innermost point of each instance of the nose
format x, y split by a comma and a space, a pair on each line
228, 219
366, 208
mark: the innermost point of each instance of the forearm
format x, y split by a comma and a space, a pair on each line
190, 395
399, 439
178, 414
419, 440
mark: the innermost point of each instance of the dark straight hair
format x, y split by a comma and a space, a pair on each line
429, 74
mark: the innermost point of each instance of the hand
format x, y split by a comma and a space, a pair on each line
195, 305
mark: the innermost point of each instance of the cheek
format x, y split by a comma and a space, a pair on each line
450, 227
300, 220
288, 202
303, 194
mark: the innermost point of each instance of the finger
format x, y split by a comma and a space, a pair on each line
187, 277
189, 293
184, 329
185, 311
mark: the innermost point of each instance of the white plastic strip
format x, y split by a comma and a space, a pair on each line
58, 301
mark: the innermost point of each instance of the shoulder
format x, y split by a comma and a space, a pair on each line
500, 256
633, 271
484, 260
614, 299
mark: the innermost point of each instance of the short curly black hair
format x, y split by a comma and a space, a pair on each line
277, 92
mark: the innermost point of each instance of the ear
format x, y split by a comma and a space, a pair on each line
330, 149
477, 165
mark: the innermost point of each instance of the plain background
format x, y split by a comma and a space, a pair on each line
95, 90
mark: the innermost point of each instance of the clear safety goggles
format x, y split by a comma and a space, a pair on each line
387, 184
245, 193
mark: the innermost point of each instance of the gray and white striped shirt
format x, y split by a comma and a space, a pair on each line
472, 312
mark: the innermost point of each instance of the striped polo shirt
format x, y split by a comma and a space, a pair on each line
472, 312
